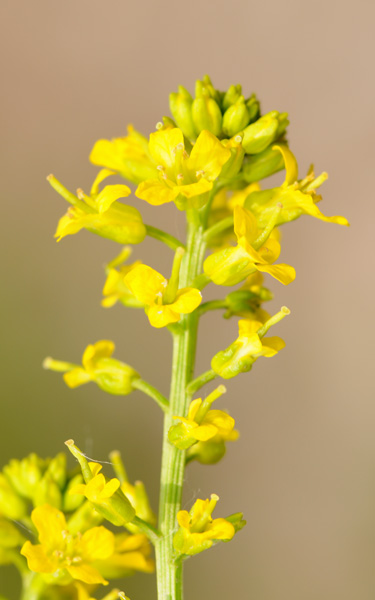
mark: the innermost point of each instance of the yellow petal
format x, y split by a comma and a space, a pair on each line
204, 432
272, 345
162, 315
93, 352
283, 273
187, 300
109, 194
76, 377
208, 155
50, 523
156, 192
105, 153
97, 543
145, 283
103, 174
110, 487
195, 189
37, 558
162, 145
193, 408
247, 328
291, 165
69, 224
86, 573
221, 529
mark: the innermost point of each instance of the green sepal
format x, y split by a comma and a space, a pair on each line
262, 165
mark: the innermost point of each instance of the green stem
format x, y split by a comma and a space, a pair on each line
150, 531
169, 575
212, 305
68, 196
33, 586
200, 381
218, 228
152, 392
164, 237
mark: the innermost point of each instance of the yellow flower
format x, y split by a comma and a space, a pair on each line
295, 197
240, 356
198, 530
150, 288
203, 424
129, 156
183, 179
109, 374
100, 212
115, 289
63, 555
229, 266
132, 553
83, 593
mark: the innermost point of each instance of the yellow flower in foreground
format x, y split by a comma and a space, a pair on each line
229, 266
100, 212
203, 424
183, 179
198, 530
63, 555
109, 374
150, 288
240, 356
295, 197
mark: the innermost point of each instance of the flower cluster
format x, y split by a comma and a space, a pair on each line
210, 160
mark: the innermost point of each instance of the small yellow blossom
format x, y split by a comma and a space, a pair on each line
132, 553
100, 213
150, 287
115, 289
295, 197
129, 156
183, 179
109, 374
198, 530
203, 424
229, 266
240, 356
63, 555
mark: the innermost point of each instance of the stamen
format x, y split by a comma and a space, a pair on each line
180, 177
200, 173
160, 168
159, 125
238, 139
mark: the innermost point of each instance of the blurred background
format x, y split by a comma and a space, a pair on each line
303, 469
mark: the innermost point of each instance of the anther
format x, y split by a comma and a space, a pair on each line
238, 139
159, 125
199, 173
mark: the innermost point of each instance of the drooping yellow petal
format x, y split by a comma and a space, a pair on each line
204, 432
283, 273
156, 192
109, 194
50, 523
162, 146
187, 300
291, 165
272, 345
76, 377
221, 529
162, 315
208, 155
145, 283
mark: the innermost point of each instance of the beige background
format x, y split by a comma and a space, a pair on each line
303, 470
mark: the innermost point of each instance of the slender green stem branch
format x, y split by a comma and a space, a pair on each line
68, 196
152, 533
164, 237
152, 392
200, 381
218, 228
212, 305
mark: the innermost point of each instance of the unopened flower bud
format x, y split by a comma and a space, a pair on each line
231, 96
206, 115
262, 165
236, 117
259, 135
180, 104
47, 492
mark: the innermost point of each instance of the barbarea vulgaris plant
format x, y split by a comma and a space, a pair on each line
211, 160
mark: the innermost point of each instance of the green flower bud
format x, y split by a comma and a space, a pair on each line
237, 521
234, 164
206, 115
84, 518
207, 453
206, 88
245, 303
47, 492
253, 106
72, 501
57, 470
180, 106
283, 124
231, 96
11, 505
259, 135
236, 117
262, 165
25, 474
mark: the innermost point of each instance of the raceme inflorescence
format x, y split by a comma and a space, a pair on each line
211, 159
